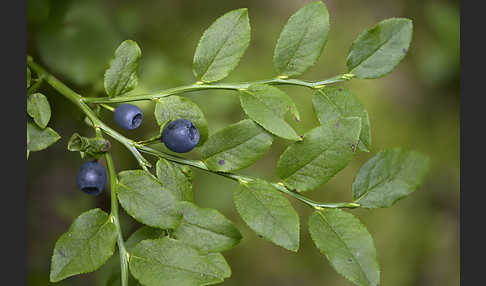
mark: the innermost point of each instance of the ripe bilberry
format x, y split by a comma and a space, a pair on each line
91, 178
180, 136
128, 116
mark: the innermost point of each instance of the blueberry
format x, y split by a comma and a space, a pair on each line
91, 178
180, 136
128, 116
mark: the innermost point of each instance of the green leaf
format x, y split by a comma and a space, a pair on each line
236, 146
206, 229
121, 76
88, 147
169, 262
347, 244
324, 152
146, 200
177, 179
378, 50
218, 261
302, 40
333, 103
176, 107
268, 213
267, 105
39, 109
221, 46
28, 77
40, 139
388, 177
88, 244
143, 233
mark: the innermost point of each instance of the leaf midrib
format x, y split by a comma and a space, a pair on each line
222, 45
341, 111
165, 211
299, 43
209, 230
272, 112
387, 178
176, 267
347, 248
378, 48
311, 160
85, 244
125, 62
119, 87
233, 146
269, 213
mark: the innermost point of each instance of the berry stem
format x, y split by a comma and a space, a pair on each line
107, 107
151, 140
114, 213
223, 86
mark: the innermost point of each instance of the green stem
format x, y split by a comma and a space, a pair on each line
235, 177
182, 161
124, 256
107, 107
150, 140
35, 86
78, 101
314, 204
227, 86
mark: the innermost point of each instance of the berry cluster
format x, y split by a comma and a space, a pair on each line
179, 136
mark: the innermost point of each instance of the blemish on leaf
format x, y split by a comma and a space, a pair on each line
296, 119
61, 253
353, 147
404, 50
301, 137
350, 260
337, 124
260, 236
221, 162
340, 89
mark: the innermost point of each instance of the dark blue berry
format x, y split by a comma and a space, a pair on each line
180, 136
128, 116
91, 178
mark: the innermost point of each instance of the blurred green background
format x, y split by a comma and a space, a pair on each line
416, 106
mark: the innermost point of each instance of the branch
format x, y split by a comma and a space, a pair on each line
124, 256
235, 177
223, 86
